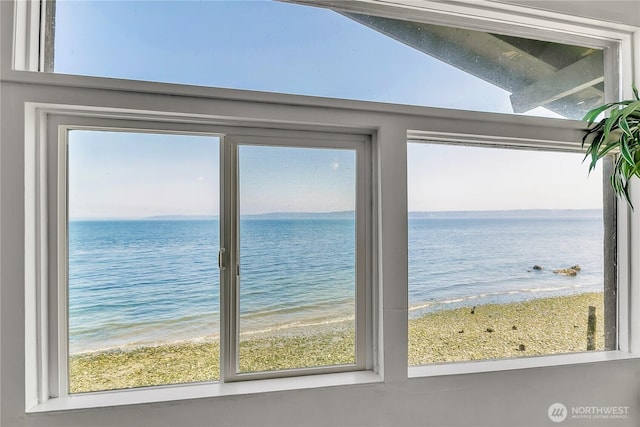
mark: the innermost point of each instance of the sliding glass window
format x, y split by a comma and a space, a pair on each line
144, 215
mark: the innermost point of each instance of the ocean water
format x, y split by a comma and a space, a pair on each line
465, 261
142, 282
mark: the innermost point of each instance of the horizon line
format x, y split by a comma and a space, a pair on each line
302, 213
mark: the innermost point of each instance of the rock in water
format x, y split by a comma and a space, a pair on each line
567, 271
537, 267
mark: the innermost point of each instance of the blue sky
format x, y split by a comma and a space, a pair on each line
447, 178
127, 175
296, 179
293, 49
258, 45
137, 175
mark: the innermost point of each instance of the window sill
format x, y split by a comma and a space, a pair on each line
476, 367
200, 391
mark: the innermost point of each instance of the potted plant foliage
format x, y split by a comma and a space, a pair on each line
619, 132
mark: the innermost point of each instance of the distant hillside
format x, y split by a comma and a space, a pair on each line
522, 213
518, 213
267, 216
303, 215
179, 217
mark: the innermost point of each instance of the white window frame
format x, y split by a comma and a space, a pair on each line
230, 256
388, 124
622, 330
48, 349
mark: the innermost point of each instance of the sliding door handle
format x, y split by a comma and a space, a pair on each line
220, 259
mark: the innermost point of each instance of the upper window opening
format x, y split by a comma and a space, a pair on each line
296, 49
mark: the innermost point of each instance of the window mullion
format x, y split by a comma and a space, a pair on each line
60, 384
229, 259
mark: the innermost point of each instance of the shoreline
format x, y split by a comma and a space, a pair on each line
281, 330
314, 325
515, 296
535, 327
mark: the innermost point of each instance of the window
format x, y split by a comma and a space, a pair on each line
296, 269
142, 284
300, 49
505, 254
148, 218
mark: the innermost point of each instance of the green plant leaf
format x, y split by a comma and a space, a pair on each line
593, 134
611, 122
624, 150
624, 125
614, 183
621, 181
630, 109
593, 114
604, 151
625, 193
618, 132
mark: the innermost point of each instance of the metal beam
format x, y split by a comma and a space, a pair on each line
477, 53
576, 77
500, 62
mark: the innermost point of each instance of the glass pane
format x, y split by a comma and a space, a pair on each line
505, 253
297, 257
142, 239
288, 48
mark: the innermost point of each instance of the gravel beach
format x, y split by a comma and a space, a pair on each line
537, 327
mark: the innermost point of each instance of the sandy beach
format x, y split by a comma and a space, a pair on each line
536, 327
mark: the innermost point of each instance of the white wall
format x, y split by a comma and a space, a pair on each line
507, 398
510, 398
620, 11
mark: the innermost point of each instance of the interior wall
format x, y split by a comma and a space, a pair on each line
506, 398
